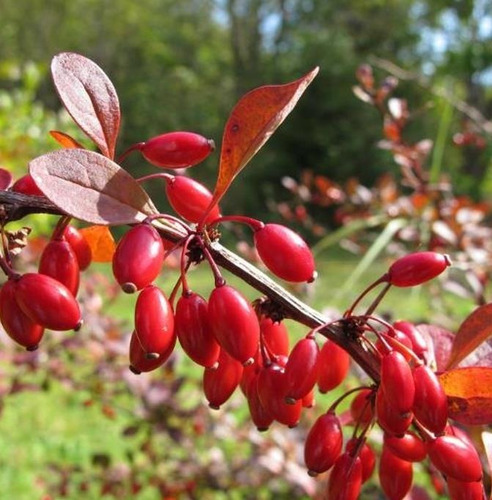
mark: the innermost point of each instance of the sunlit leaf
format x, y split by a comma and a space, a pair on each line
469, 392
90, 98
252, 121
101, 242
65, 140
90, 187
476, 328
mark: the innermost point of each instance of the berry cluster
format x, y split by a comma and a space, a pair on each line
238, 344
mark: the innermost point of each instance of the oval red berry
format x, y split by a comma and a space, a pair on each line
285, 253
176, 149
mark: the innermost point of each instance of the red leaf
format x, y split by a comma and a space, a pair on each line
439, 341
101, 242
5, 178
469, 392
476, 328
65, 140
90, 98
90, 187
252, 121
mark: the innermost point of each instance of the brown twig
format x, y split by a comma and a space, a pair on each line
16, 206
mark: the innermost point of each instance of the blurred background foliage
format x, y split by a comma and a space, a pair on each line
183, 65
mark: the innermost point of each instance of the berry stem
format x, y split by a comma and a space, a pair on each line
382, 279
219, 280
167, 177
334, 405
60, 227
135, 147
254, 224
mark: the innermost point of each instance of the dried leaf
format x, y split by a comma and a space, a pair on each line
252, 121
476, 328
90, 187
17, 240
65, 140
469, 392
101, 242
89, 97
5, 178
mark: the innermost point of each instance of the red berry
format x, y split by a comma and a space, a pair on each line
345, 478
139, 362
417, 268
395, 475
154, 321
219, 383
408, 447
194, 330
271, 390
138, 258
234, 323
47, 302
430, 405
285, 253
397, 382
333, 366
301, 370
79, 245
460, 490
59, 261
26, 185
455, 458
18, 325
398, 341
361, 407
366, 455
390, 420
323, 444
190, 199
259, 414
275, 336
419, 344
176, 149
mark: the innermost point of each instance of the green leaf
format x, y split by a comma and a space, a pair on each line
91, 187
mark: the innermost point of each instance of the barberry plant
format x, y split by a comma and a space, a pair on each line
413, 395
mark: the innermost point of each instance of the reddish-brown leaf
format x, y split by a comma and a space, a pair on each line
5, 178
469, 392
439, 341
476, 328
90, 187
65, 140
252, 121
101, 242
90, 98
